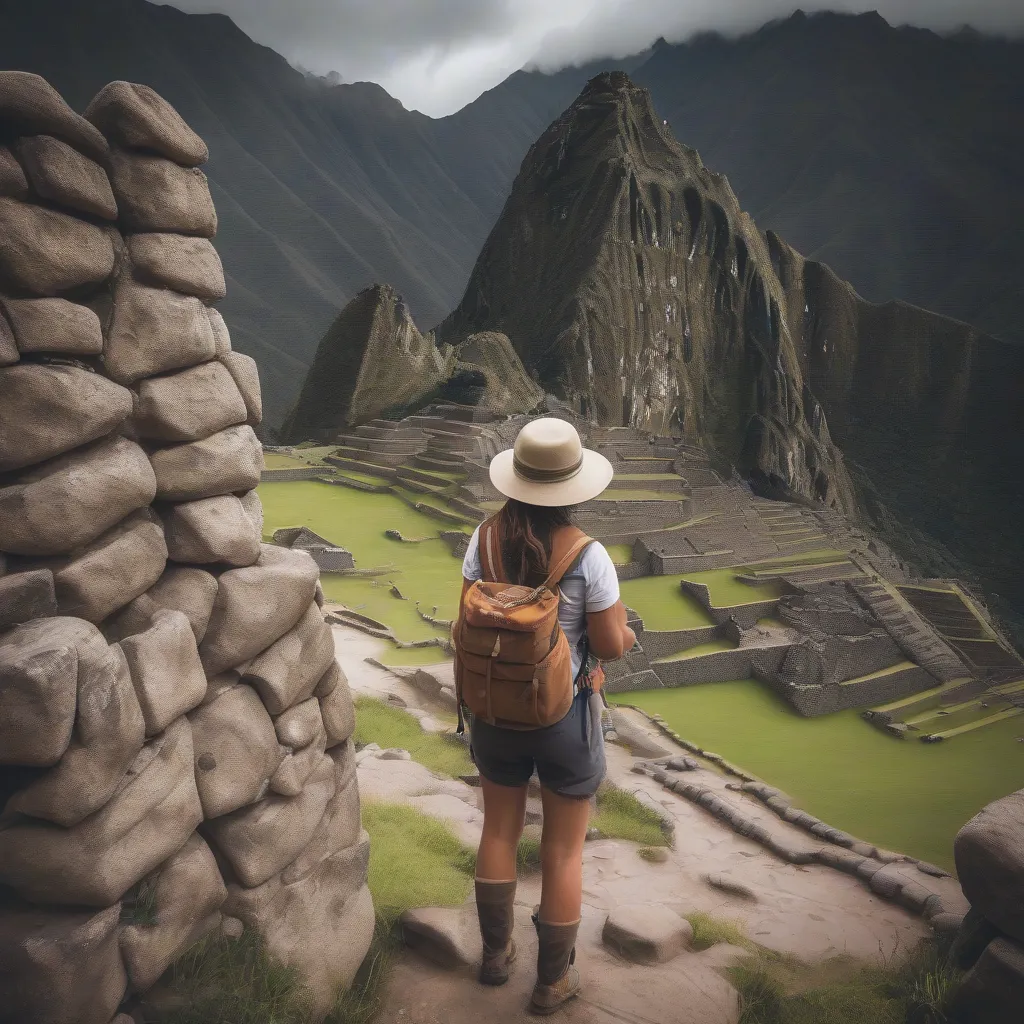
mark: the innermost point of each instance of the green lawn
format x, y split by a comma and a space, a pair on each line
727, 591
716, 646
662, 605
271, 460
901, 794
621, 554
356, 520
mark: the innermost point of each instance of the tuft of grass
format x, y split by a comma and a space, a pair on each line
377, 722
139, 905
621, 816
709, 931
415, 861
232, 981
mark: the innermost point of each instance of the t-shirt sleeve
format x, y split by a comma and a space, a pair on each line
471, 568
602, 579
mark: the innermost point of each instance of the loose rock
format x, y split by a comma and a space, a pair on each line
447, 936
646, 933
220, 332
71, 500
300, 725
337, 709
993, 991
225, 463
25, 596
989, 852
13, 182
48, 410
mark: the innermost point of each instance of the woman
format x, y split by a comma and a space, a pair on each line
546, 473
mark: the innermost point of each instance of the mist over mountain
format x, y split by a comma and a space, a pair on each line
893, 155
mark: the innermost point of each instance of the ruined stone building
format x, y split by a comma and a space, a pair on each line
175, 733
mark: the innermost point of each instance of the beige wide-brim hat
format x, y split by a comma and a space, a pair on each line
549, 466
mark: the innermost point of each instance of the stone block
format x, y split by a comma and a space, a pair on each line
297, 766
989, 853
247, 378
337, 709
289, 670
187, 265
447, 936
135, 116
299, 725
149, 818
69, 501
211, 531
13, 182
38, 695
30, 105
155, 194
185, 895
8, 346
220, 332
321, 925
60, 967
96, 580
46, 411
155, 330
187, 590
236, 750
260, 840
993, 991
25, 596
190, 405
54, 326
165, 669
253, 508
339, 827
256, 606
45, 252
108, 732
61, 174
228, 462
646, 933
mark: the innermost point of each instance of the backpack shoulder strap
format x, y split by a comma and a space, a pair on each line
490, 552
563, 564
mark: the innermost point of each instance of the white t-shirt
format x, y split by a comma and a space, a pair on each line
592, 585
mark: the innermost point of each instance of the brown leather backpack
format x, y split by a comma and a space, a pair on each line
513, 665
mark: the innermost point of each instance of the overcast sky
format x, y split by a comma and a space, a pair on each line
438, 55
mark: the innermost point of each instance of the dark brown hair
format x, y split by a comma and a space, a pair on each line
525, 532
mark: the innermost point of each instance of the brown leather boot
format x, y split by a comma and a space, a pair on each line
557, 979
495, 902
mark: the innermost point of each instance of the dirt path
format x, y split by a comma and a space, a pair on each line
811, 911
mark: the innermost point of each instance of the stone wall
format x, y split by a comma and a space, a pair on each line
989, 855
175, 734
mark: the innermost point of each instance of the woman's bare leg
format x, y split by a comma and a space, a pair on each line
561, 856
504, 815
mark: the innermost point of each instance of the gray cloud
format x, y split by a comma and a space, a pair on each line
437, 55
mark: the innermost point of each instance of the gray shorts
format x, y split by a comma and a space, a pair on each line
567, 756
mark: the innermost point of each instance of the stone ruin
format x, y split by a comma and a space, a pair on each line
989, 854
176, 753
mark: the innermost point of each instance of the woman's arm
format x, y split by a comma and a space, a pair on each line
609, 635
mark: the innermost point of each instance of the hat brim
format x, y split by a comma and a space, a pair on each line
593, 477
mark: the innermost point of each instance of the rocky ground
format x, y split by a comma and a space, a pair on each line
811, 911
